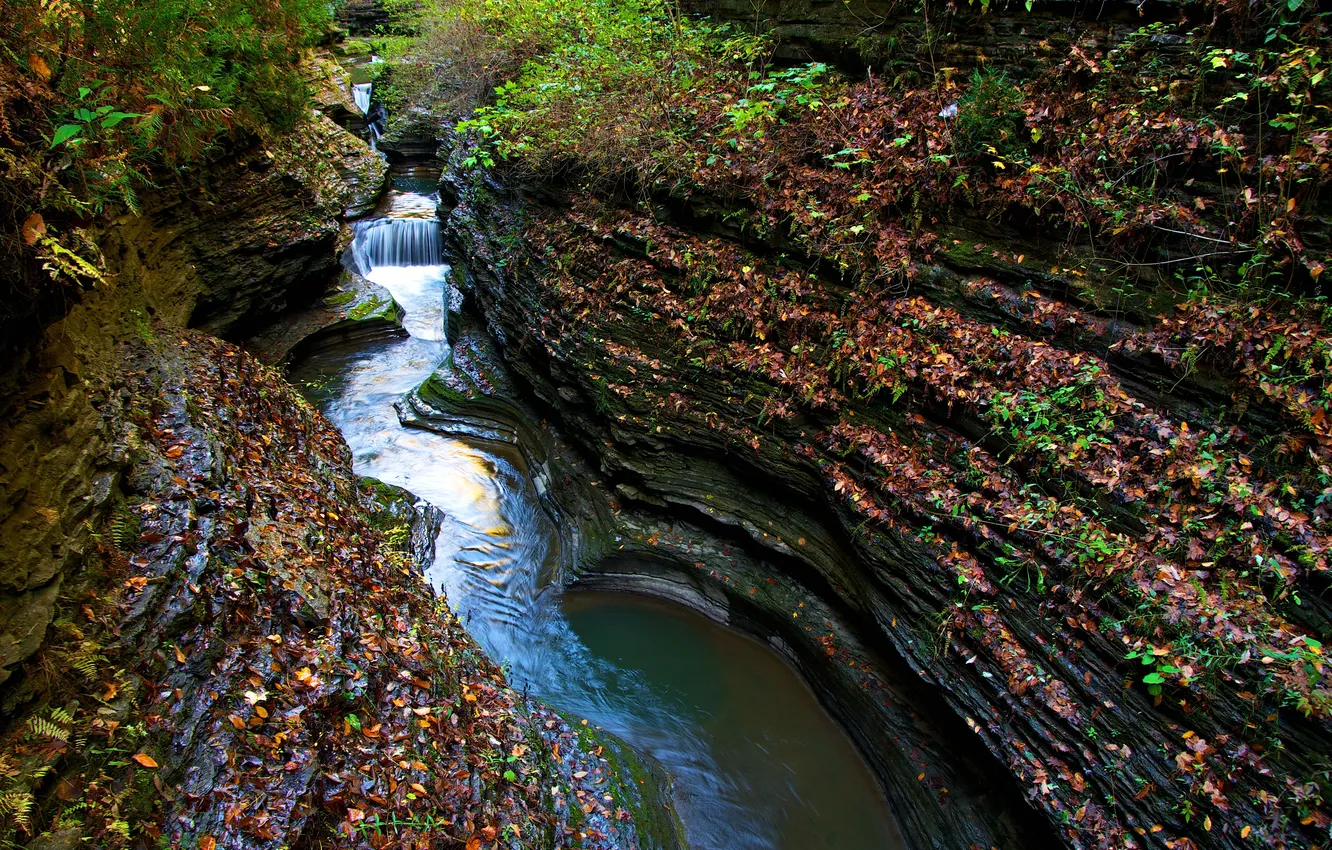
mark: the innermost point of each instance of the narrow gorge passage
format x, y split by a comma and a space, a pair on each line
757, 762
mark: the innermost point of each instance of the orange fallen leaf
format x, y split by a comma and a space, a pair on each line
39, 66
34, 228
145, 760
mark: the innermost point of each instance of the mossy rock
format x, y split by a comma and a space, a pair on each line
445, 395
638, 783
376, 308
353, 47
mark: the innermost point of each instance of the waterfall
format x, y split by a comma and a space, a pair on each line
361, 94
397, 242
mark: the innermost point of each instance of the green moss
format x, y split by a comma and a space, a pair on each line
353, 47
638, 784
435, 392
374, 307
341, 299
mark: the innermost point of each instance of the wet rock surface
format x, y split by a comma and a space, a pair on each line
613, 540
1032, 675
245, 235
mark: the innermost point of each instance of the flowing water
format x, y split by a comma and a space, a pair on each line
756, 760
361, 95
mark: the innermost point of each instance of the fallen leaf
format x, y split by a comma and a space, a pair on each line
145, 760
34, 228
39, 66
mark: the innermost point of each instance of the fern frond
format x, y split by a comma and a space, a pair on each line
123, 528
44, 728
16, 806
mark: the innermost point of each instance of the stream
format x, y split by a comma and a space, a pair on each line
757, 762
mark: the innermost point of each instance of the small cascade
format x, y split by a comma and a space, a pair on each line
361, 95
397, 242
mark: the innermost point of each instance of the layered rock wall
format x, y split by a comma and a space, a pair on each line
235, 242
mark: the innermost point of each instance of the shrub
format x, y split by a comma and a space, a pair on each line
600, 84
97, 96
989, 117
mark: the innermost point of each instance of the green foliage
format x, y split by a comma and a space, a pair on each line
123, 528
1070, 418
989, 116
766, 100
601, 85
1158, 667
99, 97
139, 81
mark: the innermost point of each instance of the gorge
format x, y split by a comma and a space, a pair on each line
860, 425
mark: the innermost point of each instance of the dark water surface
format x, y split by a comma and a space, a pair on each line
756, 761
776, 752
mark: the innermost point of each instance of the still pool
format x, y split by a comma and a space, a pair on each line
787, 776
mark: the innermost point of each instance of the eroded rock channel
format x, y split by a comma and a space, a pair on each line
756, 759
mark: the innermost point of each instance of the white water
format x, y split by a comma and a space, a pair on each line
397, 242
361, 94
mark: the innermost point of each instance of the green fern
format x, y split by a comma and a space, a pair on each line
45, 728
87, 660
16, 807
123, 527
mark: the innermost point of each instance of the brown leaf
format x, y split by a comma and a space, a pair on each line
145, 760
39, 66
34, 228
